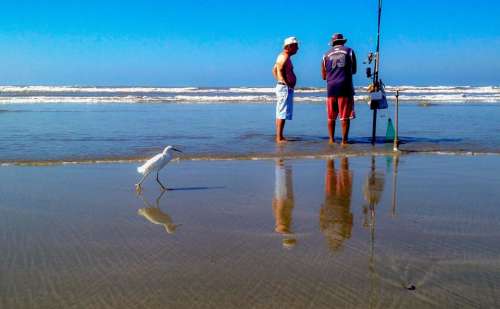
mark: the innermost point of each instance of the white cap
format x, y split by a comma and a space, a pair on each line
290, 40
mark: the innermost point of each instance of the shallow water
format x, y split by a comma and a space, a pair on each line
79, 132
414, 231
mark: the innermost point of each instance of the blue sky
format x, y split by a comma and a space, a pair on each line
235, 43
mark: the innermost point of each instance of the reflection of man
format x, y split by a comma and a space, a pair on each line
283, 201
335, 217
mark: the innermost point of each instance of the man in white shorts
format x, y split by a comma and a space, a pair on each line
286, 80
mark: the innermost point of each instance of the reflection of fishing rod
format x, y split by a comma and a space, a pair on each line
371, 265
371, 197
372, 202
394, 184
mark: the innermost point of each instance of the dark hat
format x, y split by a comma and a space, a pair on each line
338, 38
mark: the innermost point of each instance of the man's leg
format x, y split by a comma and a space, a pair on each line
331, 130
345, 130
346, 112
331, 111
281, 111
280, 125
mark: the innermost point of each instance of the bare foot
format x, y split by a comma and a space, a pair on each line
281, 140
331, 142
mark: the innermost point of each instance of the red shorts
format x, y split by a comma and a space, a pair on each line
343, 107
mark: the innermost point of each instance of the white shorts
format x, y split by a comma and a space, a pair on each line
284, 102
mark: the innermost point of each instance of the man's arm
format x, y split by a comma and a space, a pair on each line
354, 64
323, 68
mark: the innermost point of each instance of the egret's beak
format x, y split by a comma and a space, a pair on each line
175, 149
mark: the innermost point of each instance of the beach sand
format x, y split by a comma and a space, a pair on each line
414, 231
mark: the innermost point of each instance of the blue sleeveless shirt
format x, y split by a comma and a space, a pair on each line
340, 65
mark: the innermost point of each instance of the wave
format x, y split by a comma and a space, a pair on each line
254, 99
92, 95
78, 89
125, 90
138, 89
445, 89
141, 99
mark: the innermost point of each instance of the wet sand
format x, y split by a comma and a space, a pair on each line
415, 231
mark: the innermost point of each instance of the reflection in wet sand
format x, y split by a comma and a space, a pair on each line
372, 192
335, 218
395, 183
283, 202
64, 248
155, 215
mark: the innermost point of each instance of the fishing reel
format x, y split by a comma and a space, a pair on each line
377, 97
369, 61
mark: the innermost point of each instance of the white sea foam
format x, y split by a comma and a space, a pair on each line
438, 99
445, 89
90, 95
150, 99
117, 90
75, 89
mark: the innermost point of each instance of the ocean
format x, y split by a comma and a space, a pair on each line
67, 124
73, 94
247, 222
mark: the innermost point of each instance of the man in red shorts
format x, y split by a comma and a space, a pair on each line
337, 68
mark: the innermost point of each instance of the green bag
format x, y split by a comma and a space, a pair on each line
389, 133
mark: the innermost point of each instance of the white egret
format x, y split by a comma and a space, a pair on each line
156, 163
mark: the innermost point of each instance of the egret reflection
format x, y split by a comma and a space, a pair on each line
335, 217
283, 202
155, 215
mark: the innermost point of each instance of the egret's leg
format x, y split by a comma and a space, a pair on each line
142, 179
158, 180
159, 198
138, 185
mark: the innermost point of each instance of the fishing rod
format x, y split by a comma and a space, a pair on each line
377, 54
376, 89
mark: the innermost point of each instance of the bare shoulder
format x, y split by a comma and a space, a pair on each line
282, 58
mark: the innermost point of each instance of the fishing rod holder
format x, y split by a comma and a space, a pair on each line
396, 118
